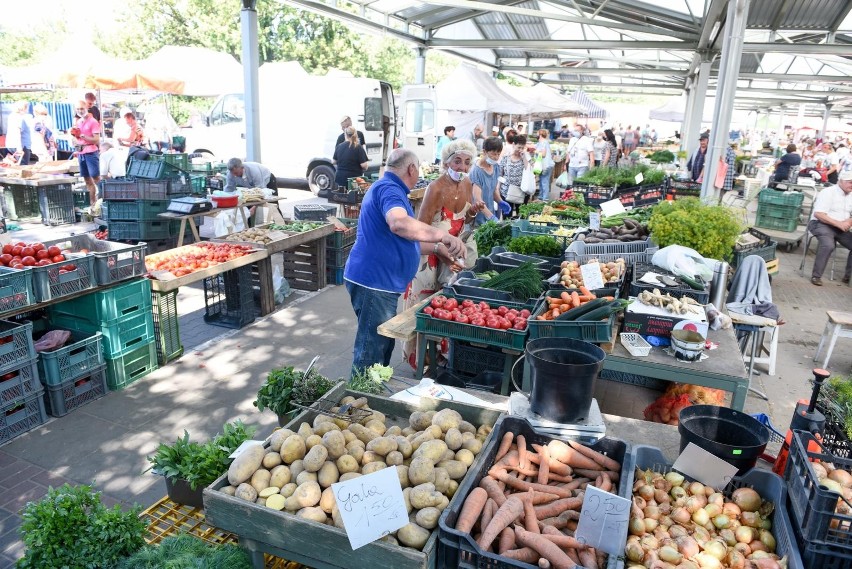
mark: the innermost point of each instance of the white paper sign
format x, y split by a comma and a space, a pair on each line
592, 276
594, 221
639, 178
707, 468
603, 520
371, 506
612, 207
243, 446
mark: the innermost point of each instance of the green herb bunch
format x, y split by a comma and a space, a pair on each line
285, 387
70, 527
840, 390
200, 463
622, 177
492, 234
575, 208
541, 245
711, 230
661, 156
186, 552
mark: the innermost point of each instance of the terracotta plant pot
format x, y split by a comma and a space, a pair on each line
179, 491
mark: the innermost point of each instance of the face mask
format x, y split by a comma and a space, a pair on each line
576, 134
455, 176
82, 114
490, 161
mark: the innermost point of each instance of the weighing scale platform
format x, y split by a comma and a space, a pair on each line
590, 430
189, 206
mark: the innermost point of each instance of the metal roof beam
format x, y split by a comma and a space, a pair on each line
448, 21
601, 71
484, 7
323, 9
797, 78
541, 45
633, 11
797, 48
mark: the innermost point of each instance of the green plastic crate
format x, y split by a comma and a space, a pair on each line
124, 370
81, 199
22, 416
151, 169
177, 159
121, 301
136, 210
779, 211
142, 230
17, 344
774, 197
20, 382
16, 288
777, 223
83, 354
342, 239
198, 183
510, 339
166, 326
120, 336
594, 332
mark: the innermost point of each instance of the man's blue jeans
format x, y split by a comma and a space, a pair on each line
372, 307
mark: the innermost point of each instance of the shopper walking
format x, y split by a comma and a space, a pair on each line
87, 137
543, 153
19, 137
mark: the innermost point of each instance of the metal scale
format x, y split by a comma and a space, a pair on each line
589, 430
189, 205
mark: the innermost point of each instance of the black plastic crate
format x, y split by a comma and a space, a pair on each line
57, 204
229, 298
458, 549
684, 189
341, 239
160, 245
766, 253
150, 230
595, 195
640, 196
812, 506
679, 291
21, 416
336, 258
166, 327
74, 393
21, 202
467, 361
825, 556
334, 276
313, 212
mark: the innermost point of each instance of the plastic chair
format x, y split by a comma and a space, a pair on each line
839, 325
807, 245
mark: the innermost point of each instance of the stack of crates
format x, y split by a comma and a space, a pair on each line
21, 394
229, 298
778, 210
122, 314
338, 245
21, 201
74, 374
57, 204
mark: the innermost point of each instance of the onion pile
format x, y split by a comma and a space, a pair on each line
839, 481
677, 524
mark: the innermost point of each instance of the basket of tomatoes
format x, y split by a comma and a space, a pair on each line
501, 325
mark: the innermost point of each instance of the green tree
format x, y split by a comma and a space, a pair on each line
22, 48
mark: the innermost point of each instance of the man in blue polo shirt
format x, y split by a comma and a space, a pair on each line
385, 255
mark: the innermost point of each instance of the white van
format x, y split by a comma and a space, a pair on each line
299, 124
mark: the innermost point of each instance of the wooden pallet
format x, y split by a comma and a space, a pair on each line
167, 518
304, 266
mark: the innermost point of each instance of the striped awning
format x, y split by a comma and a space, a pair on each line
592, 109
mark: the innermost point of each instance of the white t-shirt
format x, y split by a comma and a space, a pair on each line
833, 202
578, 151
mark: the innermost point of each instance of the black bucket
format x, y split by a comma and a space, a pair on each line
179, 491
562, 376
733, 436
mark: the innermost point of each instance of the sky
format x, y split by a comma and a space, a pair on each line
38, 11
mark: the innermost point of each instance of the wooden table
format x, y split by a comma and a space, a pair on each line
167, 285
191, 217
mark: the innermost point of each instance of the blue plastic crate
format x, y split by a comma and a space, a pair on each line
16, 344
19, 382
22, 416
74, 393
79, 356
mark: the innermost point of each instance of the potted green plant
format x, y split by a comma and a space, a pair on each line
286, 389
188, 466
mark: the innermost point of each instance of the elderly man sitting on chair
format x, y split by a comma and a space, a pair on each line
831, 222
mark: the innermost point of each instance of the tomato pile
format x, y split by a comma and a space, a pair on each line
191, 258
101, 234
21, 255
477, 313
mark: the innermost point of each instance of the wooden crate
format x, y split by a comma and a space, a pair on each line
290, 537
304, 266
167, 518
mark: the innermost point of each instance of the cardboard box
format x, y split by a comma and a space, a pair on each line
654, 321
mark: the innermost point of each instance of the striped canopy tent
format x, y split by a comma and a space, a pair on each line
591, 108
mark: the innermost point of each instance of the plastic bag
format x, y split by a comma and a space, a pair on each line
667, 408
52, 340
562, 180
538, 166
223, 224
280, 285
528, 181
684, 261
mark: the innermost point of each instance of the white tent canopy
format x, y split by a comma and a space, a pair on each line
543, 102
675, 109
472, 90
195, 71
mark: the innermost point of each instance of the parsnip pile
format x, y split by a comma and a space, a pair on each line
674, 305
528, 505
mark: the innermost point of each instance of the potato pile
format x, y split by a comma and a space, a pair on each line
572, 277
296, 471
255, 235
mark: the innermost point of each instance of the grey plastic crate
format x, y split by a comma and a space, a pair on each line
74, 393
113, 261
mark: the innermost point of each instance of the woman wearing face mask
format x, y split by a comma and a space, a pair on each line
449, 204
485, 176
610, 158
512, 165
600, 148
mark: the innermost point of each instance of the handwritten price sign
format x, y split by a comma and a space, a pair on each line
371, 506
603, 521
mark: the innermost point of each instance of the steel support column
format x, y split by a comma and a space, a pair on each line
825, 115
251, 60
420, 66
699, 95
731, 54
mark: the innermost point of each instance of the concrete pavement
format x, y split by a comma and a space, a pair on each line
106, 441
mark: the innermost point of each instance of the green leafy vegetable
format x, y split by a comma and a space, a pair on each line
622, 177
711, 230
661, 156
296, 226
370, 380
522, 282
541, 245
184, 551
492, 234
284, 387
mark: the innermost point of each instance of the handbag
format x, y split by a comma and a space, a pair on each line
528, 181
515, 195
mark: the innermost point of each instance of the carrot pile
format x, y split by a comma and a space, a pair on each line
527, 507
556, 305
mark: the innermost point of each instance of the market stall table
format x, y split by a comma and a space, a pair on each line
170, 284
191, 217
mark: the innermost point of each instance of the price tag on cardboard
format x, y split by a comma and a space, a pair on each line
243, 446
371, 506
594, 221
592, 276
707, 468
612, 207
603, 520
275, 235
639, 178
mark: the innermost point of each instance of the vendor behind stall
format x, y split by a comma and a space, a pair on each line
386, 253
248, 175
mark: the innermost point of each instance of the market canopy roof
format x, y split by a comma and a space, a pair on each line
795, 51
473, 90
675, 108
590, 108
543, 102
